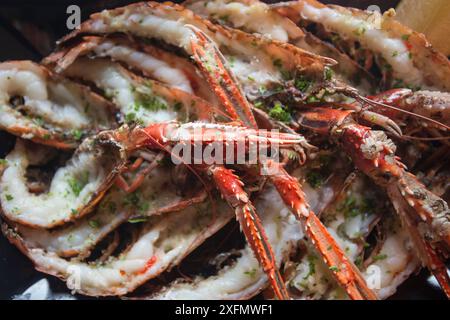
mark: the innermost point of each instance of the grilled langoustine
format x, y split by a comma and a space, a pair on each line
174, 77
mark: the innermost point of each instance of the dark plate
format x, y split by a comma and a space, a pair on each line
16, 271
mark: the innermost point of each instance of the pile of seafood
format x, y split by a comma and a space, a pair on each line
358, 105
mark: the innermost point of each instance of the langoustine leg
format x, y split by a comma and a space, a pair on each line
424, 214
213, 65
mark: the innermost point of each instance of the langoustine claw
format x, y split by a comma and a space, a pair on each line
425, 214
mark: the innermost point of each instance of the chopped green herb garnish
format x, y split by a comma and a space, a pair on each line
277, 89
131, 199
315, 178
112, 207
9, 197
3, 162
258, 104
224, 18
144, 206
379, 257
262, 89
94, 224
352, 208
302, 84
77, 134
251, 273
76, 185
150, 103
328, 73
74, 212
406, 37
137, 220
279, 112
38, 121
399, 83
231, 61
360, 31
130, 117
312, 267
251, 78
312, 99
395, 53
334, 268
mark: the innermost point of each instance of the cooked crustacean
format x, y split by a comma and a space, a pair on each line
393, 259
149, 60
156, 196
161, 242
165, 135
162, 67
350, 218
153, 13
282, 73
79, 239
39, 105
254, 16
403, 57
147, 29
294, 139
290, 189
74, 190
171, 24
242, 279
423, 213
420, 202
437, 213
430, 104
156, 248
142, 100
